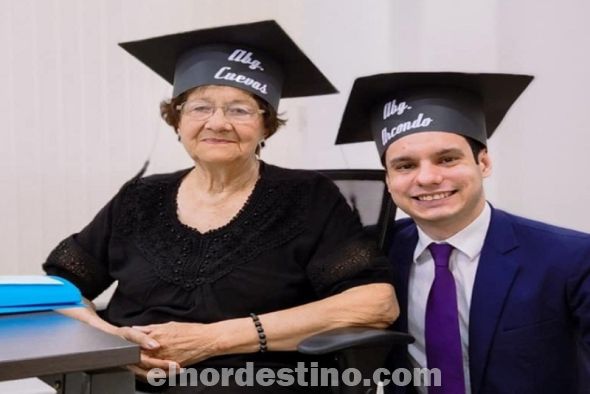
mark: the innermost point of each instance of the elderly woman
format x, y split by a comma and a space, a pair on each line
232, 260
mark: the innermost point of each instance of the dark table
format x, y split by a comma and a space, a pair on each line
48, 343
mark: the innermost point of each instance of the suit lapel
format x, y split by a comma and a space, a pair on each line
496, 272
401, 255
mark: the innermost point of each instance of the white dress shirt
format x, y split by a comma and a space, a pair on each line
463, 264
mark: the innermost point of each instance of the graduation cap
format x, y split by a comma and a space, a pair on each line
387, 107
257, 57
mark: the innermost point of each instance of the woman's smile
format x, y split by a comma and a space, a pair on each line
217, 141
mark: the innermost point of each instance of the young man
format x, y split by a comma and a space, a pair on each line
499, 303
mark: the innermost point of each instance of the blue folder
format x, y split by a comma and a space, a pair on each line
37, 293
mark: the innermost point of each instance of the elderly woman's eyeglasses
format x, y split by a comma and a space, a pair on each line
203, 110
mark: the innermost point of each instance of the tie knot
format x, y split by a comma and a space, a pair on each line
440, 253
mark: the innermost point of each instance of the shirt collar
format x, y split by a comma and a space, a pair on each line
468, 241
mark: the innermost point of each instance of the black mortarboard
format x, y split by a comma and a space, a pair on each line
258, 57
386, 107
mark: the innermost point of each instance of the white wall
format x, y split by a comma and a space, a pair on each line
78, 116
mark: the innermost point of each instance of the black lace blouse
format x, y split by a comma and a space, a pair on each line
295, 240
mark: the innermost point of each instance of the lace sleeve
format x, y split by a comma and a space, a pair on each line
83, 258
70, 261
346, 256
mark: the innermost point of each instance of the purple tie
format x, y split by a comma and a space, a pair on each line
443, 338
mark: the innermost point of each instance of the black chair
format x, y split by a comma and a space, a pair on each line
364, 349
367, 194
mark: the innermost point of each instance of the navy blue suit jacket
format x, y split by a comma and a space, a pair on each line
529, 327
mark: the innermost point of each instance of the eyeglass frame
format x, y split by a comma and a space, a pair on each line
223, 108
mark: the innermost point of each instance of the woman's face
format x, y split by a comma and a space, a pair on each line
230, 134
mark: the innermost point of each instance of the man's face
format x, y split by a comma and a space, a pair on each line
433, 177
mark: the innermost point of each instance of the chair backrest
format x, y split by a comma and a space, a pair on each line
366, 192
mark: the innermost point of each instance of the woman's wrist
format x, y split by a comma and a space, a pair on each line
236, 336
104, 326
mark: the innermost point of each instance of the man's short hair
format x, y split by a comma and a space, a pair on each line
476, 147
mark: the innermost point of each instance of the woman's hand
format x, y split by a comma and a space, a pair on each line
88, 315
148, 345
184, 343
